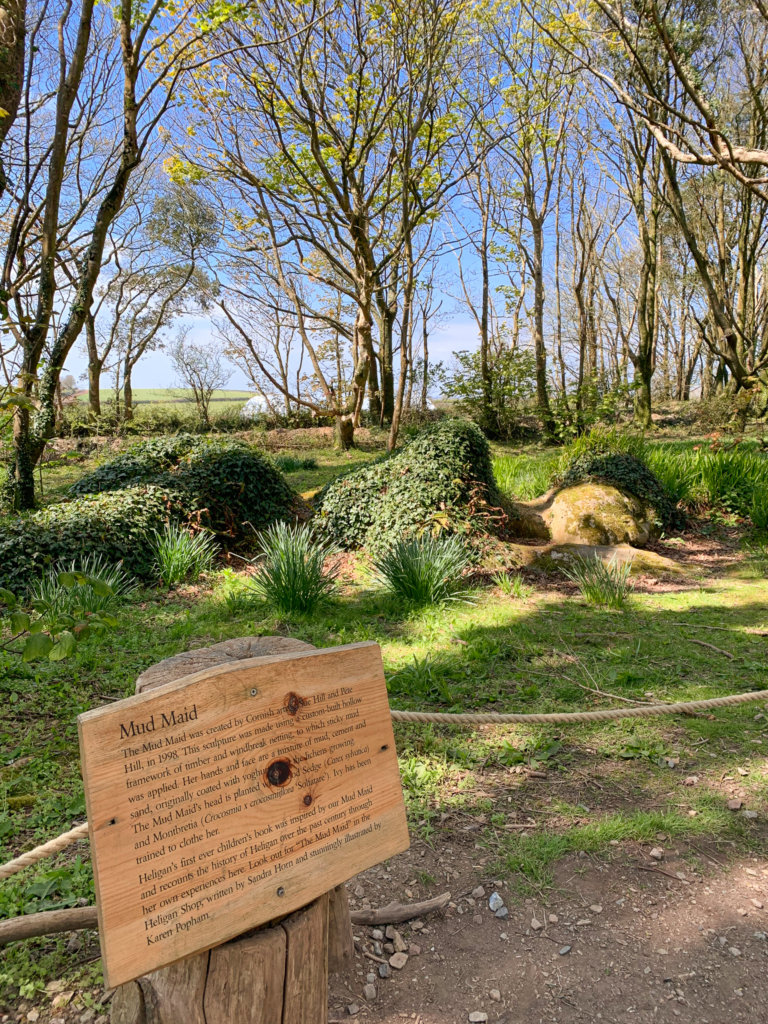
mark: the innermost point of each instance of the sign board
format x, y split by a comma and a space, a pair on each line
234, 796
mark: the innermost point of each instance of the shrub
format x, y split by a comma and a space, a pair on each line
225, 484
441, 481
118, 526
180, 555
235, 488
512, 382
47, 632
139, 464
104, 586
291, 575
424, 570
604, 585
149, 418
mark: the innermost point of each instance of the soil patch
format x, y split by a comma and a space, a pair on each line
619, 938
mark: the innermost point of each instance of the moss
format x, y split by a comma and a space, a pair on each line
597, 513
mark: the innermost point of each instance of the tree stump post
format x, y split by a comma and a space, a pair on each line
276, 974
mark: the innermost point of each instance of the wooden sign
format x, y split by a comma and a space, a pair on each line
234, 796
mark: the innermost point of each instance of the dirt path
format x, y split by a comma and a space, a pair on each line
684, 940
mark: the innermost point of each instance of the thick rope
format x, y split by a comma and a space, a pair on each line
48, 849
443, 718
644, 711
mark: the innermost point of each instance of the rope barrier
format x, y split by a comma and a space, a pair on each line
644, 711
48, 849
444, 718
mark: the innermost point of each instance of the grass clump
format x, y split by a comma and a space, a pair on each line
513, 586
106, 586
292, 576
524, 476
181, 555
604, 585
424, 570
293, 463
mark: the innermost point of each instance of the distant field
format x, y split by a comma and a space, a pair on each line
223, 399
169, 395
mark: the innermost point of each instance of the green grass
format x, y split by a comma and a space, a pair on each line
604, 585
290, 573
222, 398
525, 476
702, 477
492, 655
423, 570
181, 555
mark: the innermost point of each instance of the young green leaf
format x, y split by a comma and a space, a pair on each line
20, 622
37, 646
64, 647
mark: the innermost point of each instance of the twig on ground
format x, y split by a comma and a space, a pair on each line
604, 693
703, 853
718, 650
396, 913
661, 871
372, 956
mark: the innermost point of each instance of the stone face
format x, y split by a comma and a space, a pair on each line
587, 513
593, 513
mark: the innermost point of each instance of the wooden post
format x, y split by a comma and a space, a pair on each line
275, 973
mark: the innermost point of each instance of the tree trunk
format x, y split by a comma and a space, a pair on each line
387, 366
94, 389
127, 394
12, 36
405, 366
425, 366
741, 408
643, 402
540, 352
344, 431
20, 485
94, 367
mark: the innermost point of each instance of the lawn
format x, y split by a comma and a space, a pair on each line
543, 650
223, 398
